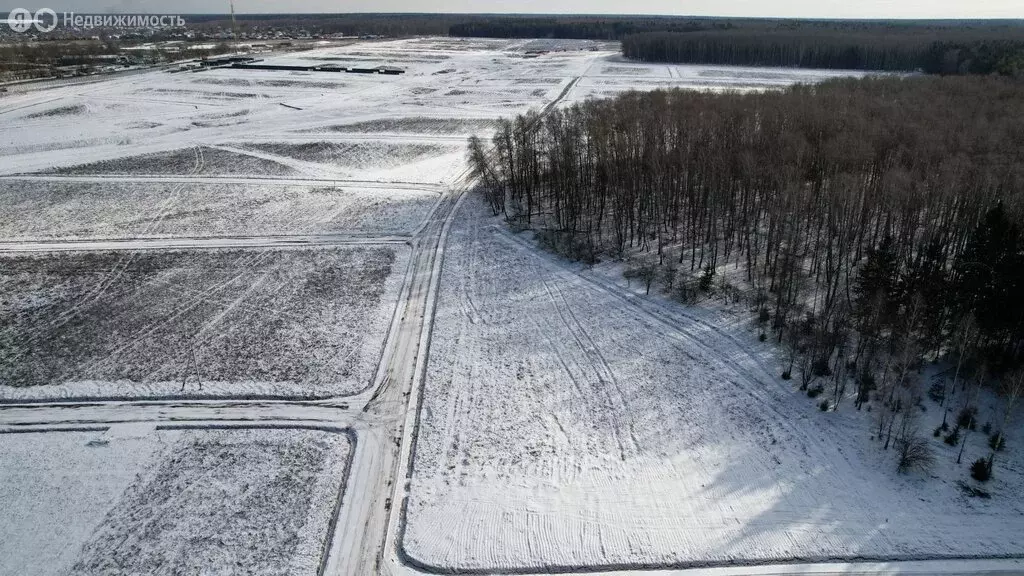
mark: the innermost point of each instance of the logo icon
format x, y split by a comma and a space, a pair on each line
20, 20
45, 20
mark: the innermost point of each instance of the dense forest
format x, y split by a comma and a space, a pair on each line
871, 224
941, 51
582, 27
934, 46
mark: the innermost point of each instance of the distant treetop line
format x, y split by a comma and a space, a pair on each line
931, 50
934, 46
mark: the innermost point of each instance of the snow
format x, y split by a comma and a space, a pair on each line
568, 422
105, 208
54, 488
457, 79
291, 322
134, 499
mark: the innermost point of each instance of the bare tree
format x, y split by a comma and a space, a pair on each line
1011, 387
914, 453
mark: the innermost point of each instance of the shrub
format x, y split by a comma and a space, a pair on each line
787, 375
987, 428
762, 337
915, 454
997, 442
937, 391
630, 274
568, 245
937, 432
980, 470
763, 316
814, 392
820, 367
706, 279
967, 418
729, 293
823, 406
684, 292
953, 437
863, 396
668, 276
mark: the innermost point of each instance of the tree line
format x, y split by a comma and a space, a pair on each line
933, 46
934, 51
26, 60
582, 27
460, 25
393, 25
871, 223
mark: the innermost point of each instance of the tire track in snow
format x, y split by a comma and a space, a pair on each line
595, 361
595, 351
686, 341
248, 262
123, 263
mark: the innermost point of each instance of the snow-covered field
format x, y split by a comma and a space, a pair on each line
133, 499
278, 322
419, 125
568, 422
39, 209
204, 123
446, 78
619, 75
258, 230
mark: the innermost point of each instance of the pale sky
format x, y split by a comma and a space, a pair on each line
771, 8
